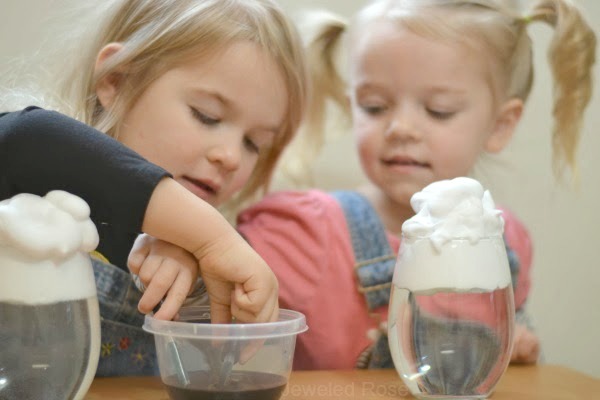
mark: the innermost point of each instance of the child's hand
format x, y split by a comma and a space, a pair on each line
527, 346
239, 282
166, 270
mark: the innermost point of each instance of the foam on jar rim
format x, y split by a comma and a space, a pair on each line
456, 227
44, 246
458, 208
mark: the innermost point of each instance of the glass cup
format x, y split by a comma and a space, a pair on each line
451, 317
48, 348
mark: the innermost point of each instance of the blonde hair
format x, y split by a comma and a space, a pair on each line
493, 26
157, 35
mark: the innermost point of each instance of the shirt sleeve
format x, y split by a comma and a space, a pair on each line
43, 150
519, 241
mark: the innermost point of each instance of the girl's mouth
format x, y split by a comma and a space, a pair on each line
204, 186
204, 189
402, 161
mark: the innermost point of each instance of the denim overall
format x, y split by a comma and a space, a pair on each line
126, 349
375, 262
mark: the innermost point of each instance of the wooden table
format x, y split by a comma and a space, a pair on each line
545, 382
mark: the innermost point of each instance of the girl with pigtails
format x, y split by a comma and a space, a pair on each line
430, 87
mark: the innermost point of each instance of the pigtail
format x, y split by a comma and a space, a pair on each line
326, 81
571, 56
326, 86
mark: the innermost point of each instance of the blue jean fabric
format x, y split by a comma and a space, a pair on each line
126, 349
375, 262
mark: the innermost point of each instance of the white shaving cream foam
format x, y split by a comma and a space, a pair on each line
44, 248
454, 240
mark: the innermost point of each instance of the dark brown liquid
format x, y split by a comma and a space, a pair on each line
241, 385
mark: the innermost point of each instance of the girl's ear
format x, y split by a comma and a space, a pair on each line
506, 123
108, 86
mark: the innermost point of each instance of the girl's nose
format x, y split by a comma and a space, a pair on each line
402, 126
226, 154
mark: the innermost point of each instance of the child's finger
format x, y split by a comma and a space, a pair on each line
147, 303
250, 349
158, 287
250, 315
274, 307
267, 314
256, 306
139, 252
242, 308
148, 269
175, 297
253, 346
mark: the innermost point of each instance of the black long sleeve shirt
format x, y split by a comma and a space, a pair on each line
43, 150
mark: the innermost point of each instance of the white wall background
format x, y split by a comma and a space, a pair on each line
564, 223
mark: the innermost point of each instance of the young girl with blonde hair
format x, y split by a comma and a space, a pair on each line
431, 86
201, 96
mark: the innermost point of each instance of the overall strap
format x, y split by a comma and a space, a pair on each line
375, 259
514, 263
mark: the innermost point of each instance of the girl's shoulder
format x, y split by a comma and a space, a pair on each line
310, 223
33, 121
303, 237
31, 113
16, 120
312, 206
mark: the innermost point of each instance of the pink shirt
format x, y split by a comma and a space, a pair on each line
304, 237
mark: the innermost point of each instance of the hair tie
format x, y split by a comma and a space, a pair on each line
527, 19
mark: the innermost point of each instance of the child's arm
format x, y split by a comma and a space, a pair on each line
96, 167
238, 281
165, 271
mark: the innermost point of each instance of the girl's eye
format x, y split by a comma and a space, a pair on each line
251, 145
441, 115
205, 119
372, 109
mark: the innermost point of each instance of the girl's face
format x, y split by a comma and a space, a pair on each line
207, 121
422, 110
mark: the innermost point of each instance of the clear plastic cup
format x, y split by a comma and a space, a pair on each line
451, 341
198, 359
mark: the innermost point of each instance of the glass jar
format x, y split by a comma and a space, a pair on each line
50, 322
451, 317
